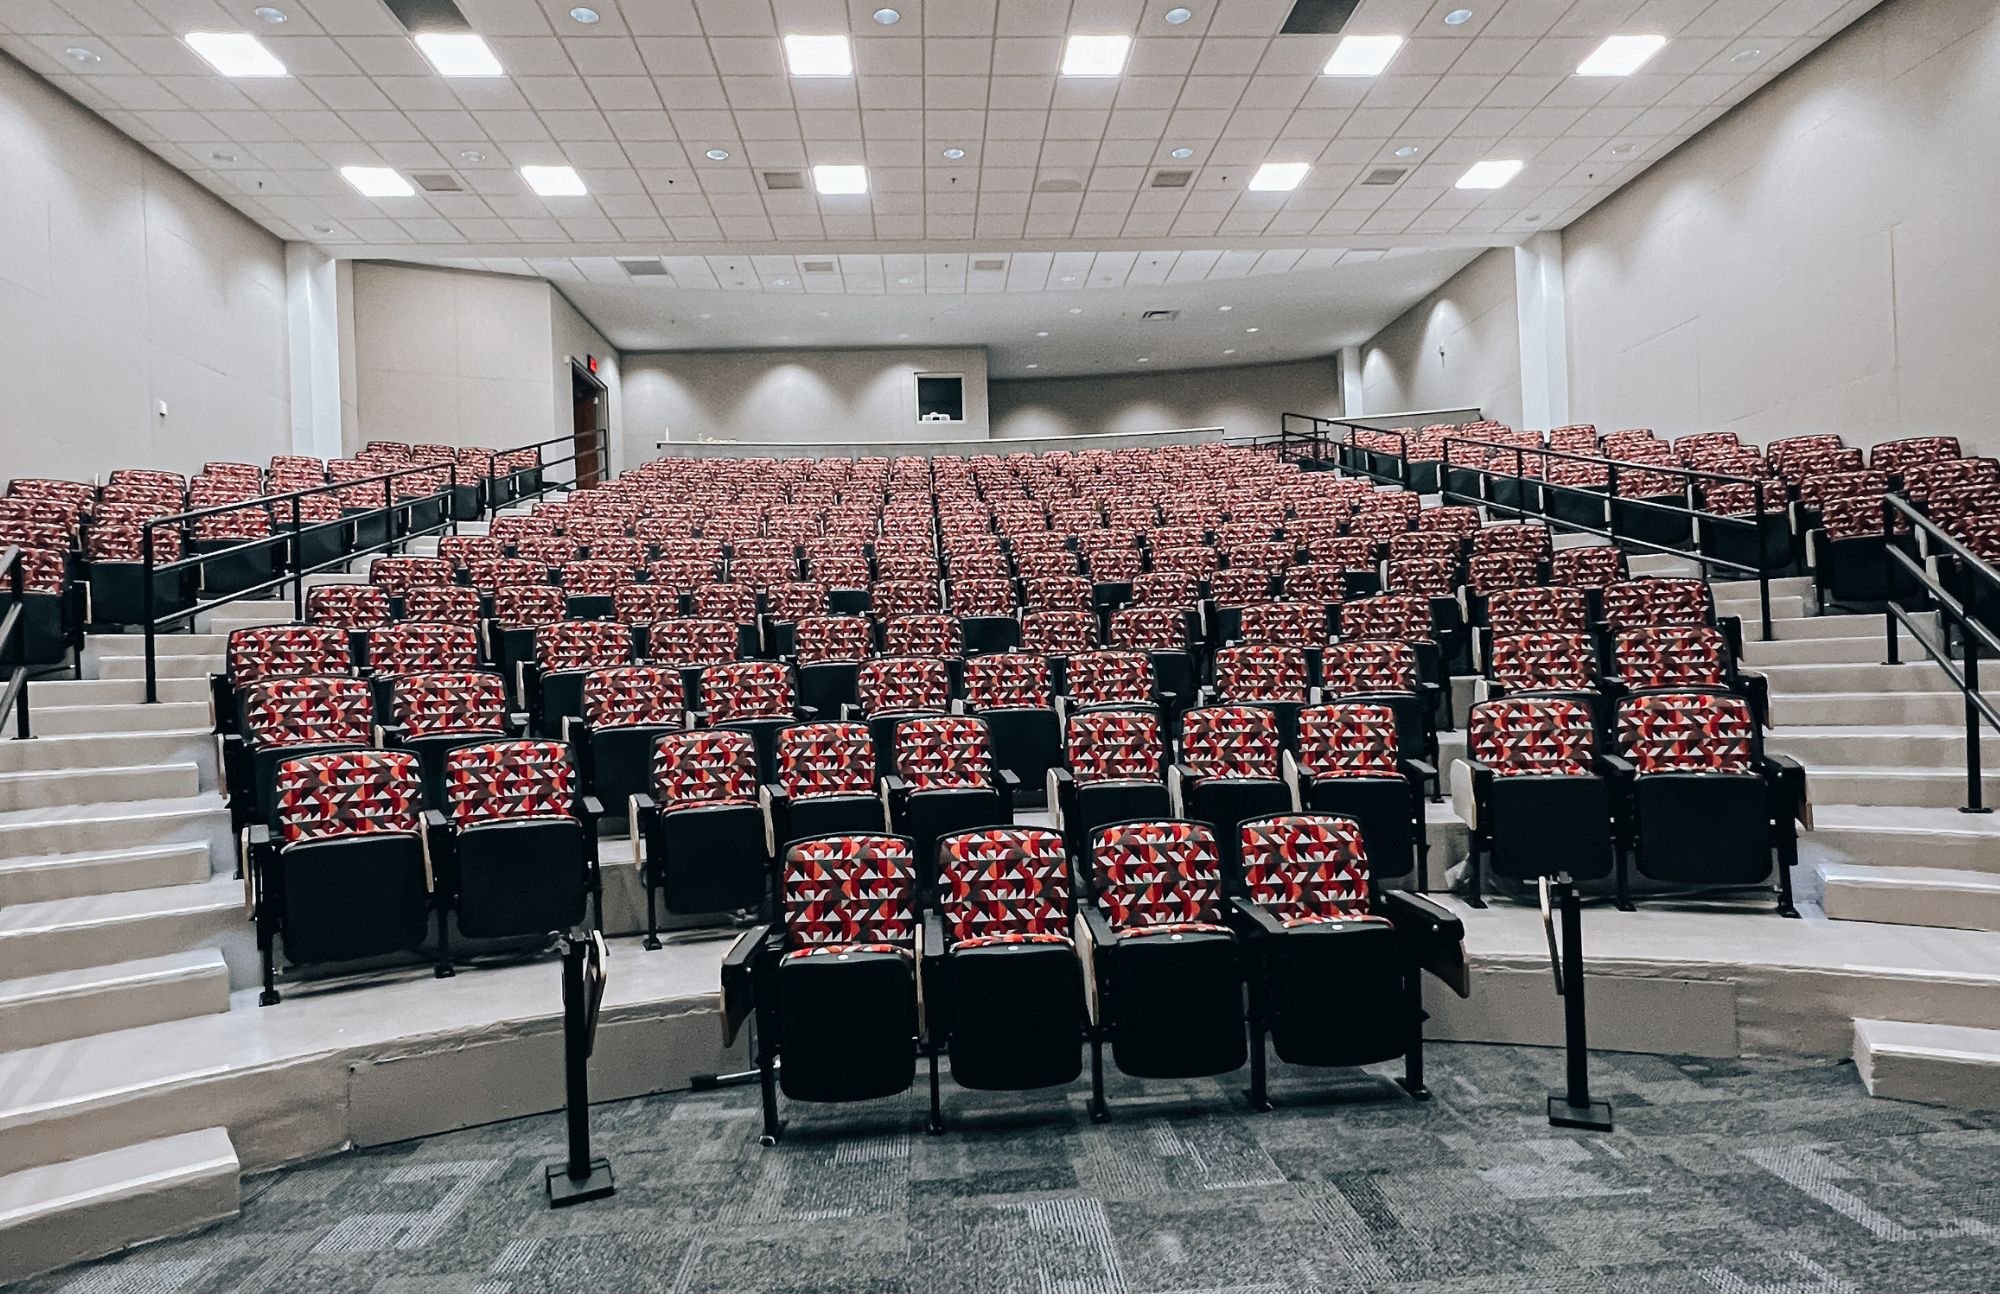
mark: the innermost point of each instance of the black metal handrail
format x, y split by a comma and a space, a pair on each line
1314, 435
1761, 570
1972, 634
14, 642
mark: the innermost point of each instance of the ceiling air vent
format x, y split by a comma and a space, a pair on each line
1172, 179
1385, 175
994, 265
1318, 17
816, 267
437, 181
1159, 316
644, 267
1059, 184
776, 180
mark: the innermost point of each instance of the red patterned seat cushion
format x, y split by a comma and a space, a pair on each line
951, 753
1115, 746
508, 781
450, 604
922, 635
432, 705
1007, 681
704, 769
1151, 628
820, 639
816, 760
1304, 868
1348, 741
1688, 732
1003, 883
525, 606
1392, 617
309, 711
1656, 601
850, 890
1539, 608
1522, 736
633, 696
326, 797
751, 689
398, 575
1163, 877
1110, 678
982, 597
1230, 741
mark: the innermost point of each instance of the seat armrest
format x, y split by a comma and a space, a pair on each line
895, 787
1436, 936
1097, 925
1618, 766
1010, 781
1789, 776
434, 820
593, 808
1181, 783
739, 978
1251, 921
1422, 768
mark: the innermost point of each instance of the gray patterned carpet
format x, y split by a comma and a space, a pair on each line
1730, 1176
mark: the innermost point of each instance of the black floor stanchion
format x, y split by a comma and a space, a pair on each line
1571, 1107
579, 1177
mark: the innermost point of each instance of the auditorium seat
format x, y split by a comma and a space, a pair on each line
702, 825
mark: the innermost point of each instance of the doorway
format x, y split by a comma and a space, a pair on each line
591, 408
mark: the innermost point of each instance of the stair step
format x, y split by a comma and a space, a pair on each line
1820, 651
1798, 680
1785, 586
1936, 1064
52, 1007
95, 1205
1911, 746
111, 750
65, 876
1925, 788
1911, 896
74, 933
1867, 709
60, 829
165, 667
68, 720
1892, 836
165, 644
43, 788
1835, 626
103, 691
1660, 564
1789, 606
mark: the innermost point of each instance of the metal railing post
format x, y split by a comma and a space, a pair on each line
152, 625
1611, 494
1764, 562
298, 566
1895, 647
1975, 790
18, 645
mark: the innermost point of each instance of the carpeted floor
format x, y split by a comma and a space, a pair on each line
1732, 1176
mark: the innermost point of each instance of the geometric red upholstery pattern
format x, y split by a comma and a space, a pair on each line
1388, 616
1355, 740
271, 651
633, 696
832, 638
1164, 589
1687, 732
347, 606
1158, 877
1541, 608
1058, 633
982, 597
752, 689
692, 643
1544, 662
1361, 668
454, 604
1260, 672
790, 601
1238, 585
736, 603
509, 781
1593, 567
1424, 577
822, 759
432, 705
582, 645
1489, 572
1153, 628
1533, 736
704, 769
309, 711
903, 684
1305, 868
1007, 681
1115, 746
397, 575
524, 606
922, 634
850, 889
1287, 624
944, 754
414, 647
1657, 601
1109, 678
353, 793
1671, 656
1003, 884
1231, 741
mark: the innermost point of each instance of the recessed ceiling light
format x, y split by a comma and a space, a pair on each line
1490, 174
1034, 366
1043, 333
1229, 351
888, 17
718, 154
1095, 55
840, 179
1249, 330
1145, 359
1620, 55
781, 283
1069, 278
554, 181
322, 229
704, 315
819, 55
1183, 153
1407, 150
1224, 309
1278, 177
954, 153
221, 156
1457, 16
905, 281
471, 155
584, 14
1746, 56
377, 181
235, 53
1179, 16
1362, 55
458, 53
1621, 150
78, 54
1076, 310
271, 15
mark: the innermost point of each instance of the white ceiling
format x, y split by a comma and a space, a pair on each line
635, 101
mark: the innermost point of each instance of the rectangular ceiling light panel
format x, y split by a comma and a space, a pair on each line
377, 181
554, 181
1621, 55
819, 56
1278, 177
235, 53
1362, 55
1095, 55
1490, 174
458, 53
840, 179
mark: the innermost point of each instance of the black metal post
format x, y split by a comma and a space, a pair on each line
1611, 508
152, 628
579, 1177
18, 646
1895, 647
1975, 790
1572, 1107
1764, 562
298, 567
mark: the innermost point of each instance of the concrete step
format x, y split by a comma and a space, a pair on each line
111, 750
134, 667
65, 876
226, 619
69, 720
164, 645
1867, 709
77, 933
1782, 586
1921, 788
101, 691
52, 1007
1820, 651
1936, 1064
1936, 746
62, 829
1783, 607
1661, 564
1911, 896
1889, 836
58, 1214
1840, 626
1795, 680
80, 786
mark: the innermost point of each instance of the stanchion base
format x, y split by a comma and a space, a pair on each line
1594, 1117
565, 1190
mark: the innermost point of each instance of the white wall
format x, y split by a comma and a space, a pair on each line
1472, 319
771, 396
574, 337
1245, 401
123, 283
1821, 259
